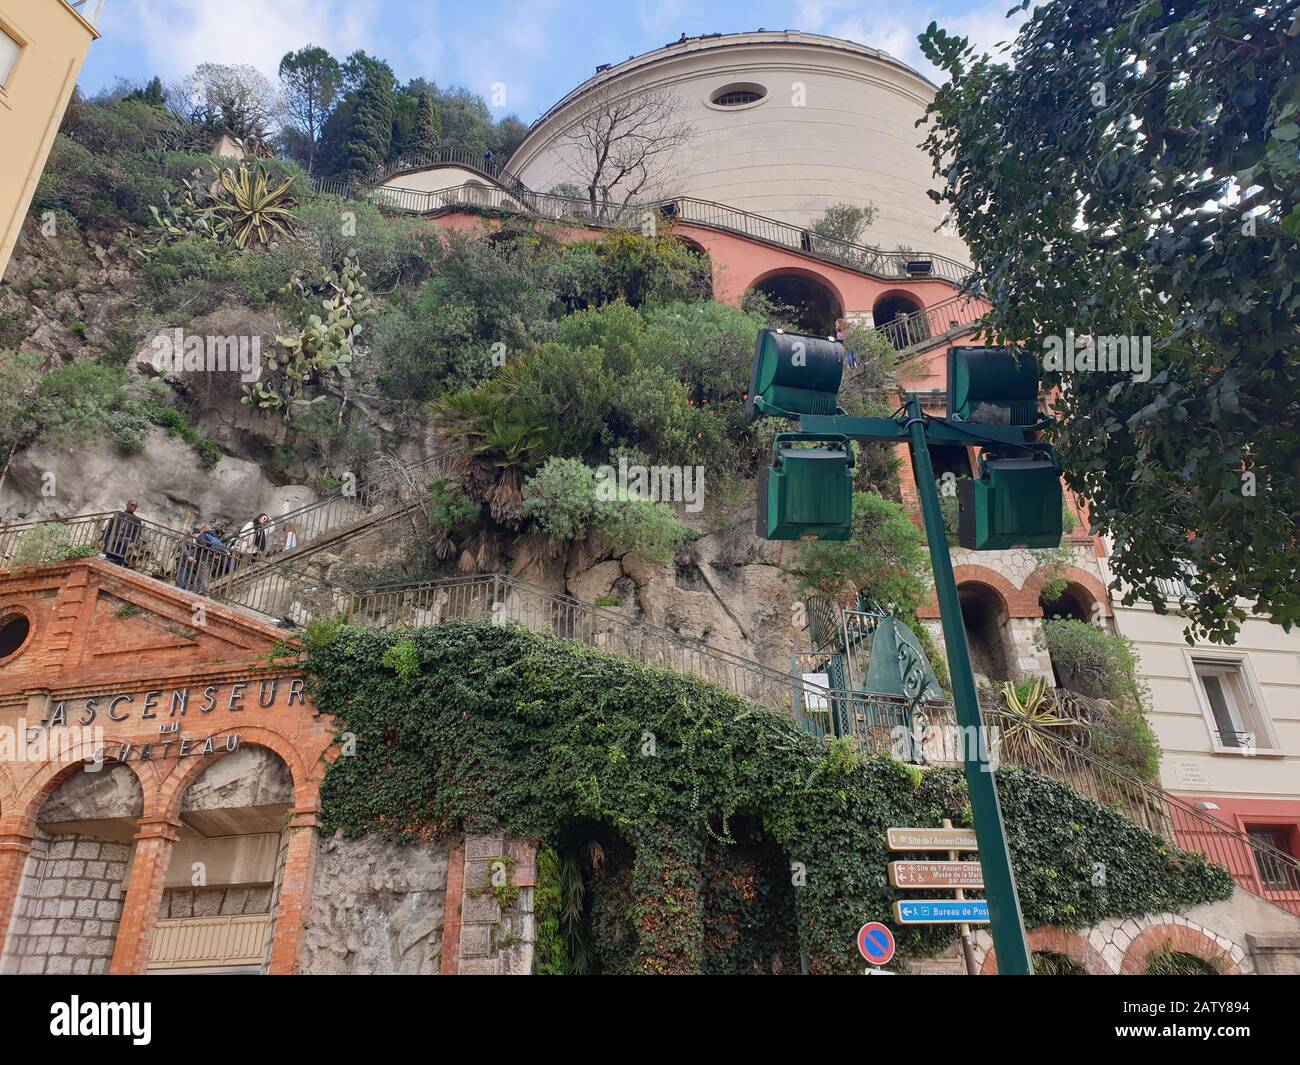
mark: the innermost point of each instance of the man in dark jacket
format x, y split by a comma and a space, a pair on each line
121, 533
212, 559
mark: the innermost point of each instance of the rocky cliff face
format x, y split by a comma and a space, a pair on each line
70, 298
165, 478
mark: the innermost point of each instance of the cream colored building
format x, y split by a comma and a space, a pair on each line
784, 124
1227, 717
42, 46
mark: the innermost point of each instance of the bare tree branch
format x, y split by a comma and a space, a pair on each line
622, 144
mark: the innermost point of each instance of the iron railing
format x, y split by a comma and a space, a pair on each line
516, 198
450, 155
505, 598
396, 485
878, 724
933, 324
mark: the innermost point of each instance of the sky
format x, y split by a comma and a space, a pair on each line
532, 51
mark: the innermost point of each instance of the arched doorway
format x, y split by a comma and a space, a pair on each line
1069, 601
219, 898
809, 304
984, 615
892, 306
74, 883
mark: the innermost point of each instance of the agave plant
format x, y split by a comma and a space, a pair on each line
249, 209
1030, 715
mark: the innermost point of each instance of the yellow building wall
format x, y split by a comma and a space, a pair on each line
54, 40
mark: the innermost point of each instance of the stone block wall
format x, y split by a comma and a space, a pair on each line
68, 907
376, 908
497, 940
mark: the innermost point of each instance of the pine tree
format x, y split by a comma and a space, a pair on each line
371, 131
428, 126
153, 93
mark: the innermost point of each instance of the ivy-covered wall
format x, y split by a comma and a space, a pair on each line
490, 727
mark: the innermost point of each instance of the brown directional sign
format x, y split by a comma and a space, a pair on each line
932, 839
945, 875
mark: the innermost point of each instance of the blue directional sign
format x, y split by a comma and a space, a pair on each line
942, 911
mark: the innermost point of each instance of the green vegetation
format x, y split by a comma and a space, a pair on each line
885, 560
1079, 161
83, 402
1169, 962
564, 501
504, 729
1092, 661
550, 954
47, 543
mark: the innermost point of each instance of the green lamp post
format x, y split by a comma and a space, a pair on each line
993, 403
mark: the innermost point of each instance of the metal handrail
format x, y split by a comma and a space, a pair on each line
1061, 753
518, 199
876, 723
933, 324
448, 155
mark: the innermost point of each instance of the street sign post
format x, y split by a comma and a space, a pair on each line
942, 911
942, 875
931, 839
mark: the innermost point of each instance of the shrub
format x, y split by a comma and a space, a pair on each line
1092, 661
1125, 736
47, 543
643, 528
885, 559
388, 249
507, 730
564, 501
452, 515
169, 418
81, 402
561, 499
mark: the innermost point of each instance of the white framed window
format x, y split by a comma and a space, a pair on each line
9, 49
1233, 705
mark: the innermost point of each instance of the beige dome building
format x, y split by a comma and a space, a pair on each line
782, 124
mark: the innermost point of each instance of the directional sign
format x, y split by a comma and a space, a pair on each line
932, 839
947, 875
876, 942
942, 911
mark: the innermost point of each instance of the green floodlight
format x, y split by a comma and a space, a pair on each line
794, 374
1016, 502
806, 491
992, 386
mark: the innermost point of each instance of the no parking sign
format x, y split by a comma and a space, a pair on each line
876, 943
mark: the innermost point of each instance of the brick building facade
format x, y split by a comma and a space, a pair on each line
160, 774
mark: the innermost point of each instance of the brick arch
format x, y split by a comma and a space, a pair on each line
1057, 941
51, 775
306, 779
1187, 939
1004, 590
8, 790
1033, 586
898, 292
800, 271
693, 244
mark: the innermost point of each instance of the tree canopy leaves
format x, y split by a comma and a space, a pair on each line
1131, 172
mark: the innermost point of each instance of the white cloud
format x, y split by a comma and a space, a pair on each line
188, 32
879, 24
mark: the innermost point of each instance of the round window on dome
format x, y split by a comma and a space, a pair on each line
741, 95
